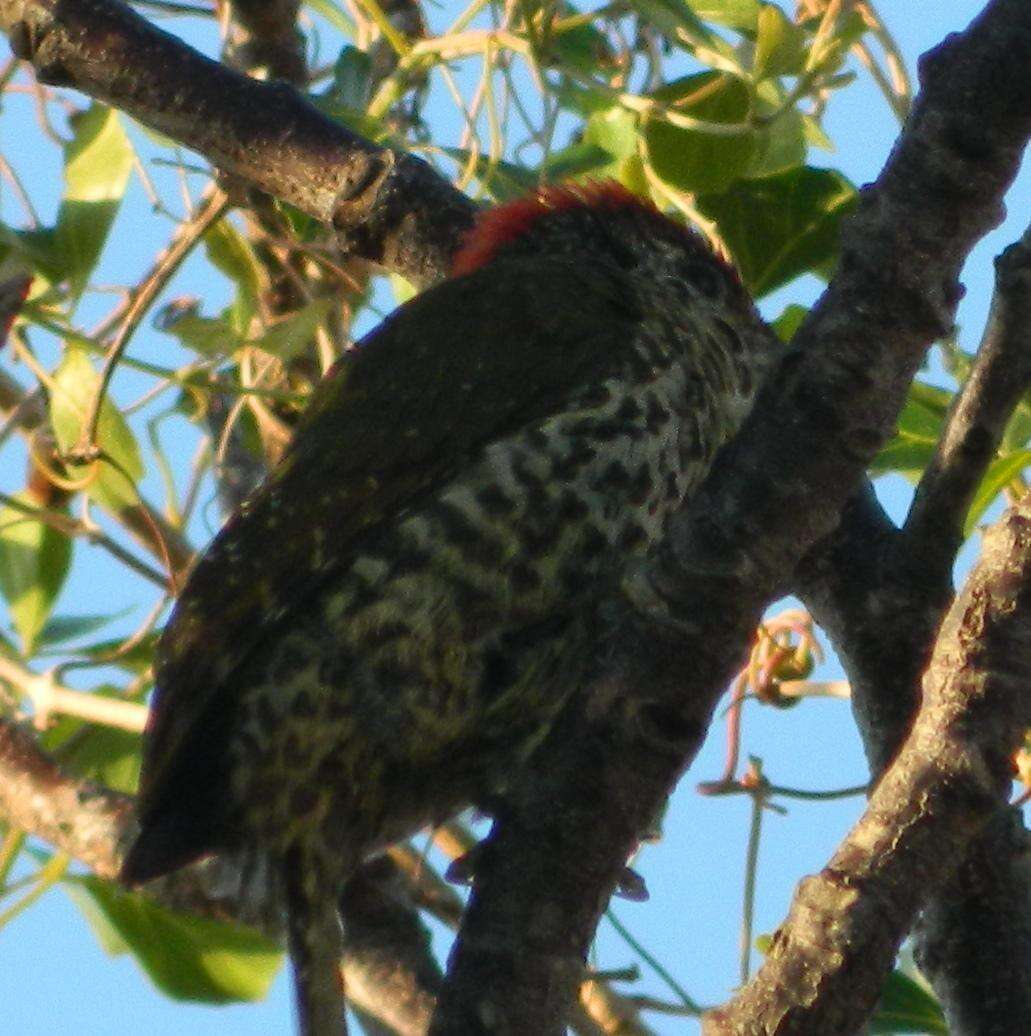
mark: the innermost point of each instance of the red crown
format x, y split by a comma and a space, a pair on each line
506, 223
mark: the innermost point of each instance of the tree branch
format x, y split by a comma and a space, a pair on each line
985, 903
391, 207
880, 592
999, 378
827, 964
388, 967
664, 650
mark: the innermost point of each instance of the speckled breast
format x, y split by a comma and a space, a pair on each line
422, 676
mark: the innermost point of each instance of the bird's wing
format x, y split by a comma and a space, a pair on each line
461, 366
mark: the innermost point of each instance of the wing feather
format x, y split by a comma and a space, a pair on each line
463, 365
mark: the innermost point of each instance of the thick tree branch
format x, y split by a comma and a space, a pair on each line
665, 650
984, 906
828, 960
391, 207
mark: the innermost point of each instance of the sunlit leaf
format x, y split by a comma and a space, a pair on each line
74, 388
780, 48
782, 226
907, 1007
34, 560
209, 336
742, 15
815, 135
789, 321
581, 46
670, 15
779, 146
402, 288
1001, 472
108, 755
694, 160
187, 958
582, 159
98, 161
614, 131
233, 254
917, 433
293, 334
1018, 430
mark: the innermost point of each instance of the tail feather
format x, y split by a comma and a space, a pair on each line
163, 845
316, 946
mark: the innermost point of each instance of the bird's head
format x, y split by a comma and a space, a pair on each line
605, 221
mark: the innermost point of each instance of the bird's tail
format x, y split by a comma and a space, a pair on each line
316, 945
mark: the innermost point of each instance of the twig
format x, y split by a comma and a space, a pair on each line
211, 211
19, 189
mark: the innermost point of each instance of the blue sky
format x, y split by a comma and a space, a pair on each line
55, 977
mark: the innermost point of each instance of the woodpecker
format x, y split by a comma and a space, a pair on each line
365, 647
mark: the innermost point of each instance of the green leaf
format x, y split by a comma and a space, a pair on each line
906, 457
782, 226
693, 160
779, 146
74, 388
355, 119
581, 47
352, 82
34, 561
582, 159
907, 1007
780, 49
187, 958
931, 397
815, 136
98, 161
136, 660
232, 254
293, 334
209, 336
1001, 472
614, 131
670, 15
920, 421
789, 321
742, 15
917, 434
403, 289
1018, 429
61, 628
108, 755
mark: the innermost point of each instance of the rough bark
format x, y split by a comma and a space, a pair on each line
670, 644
